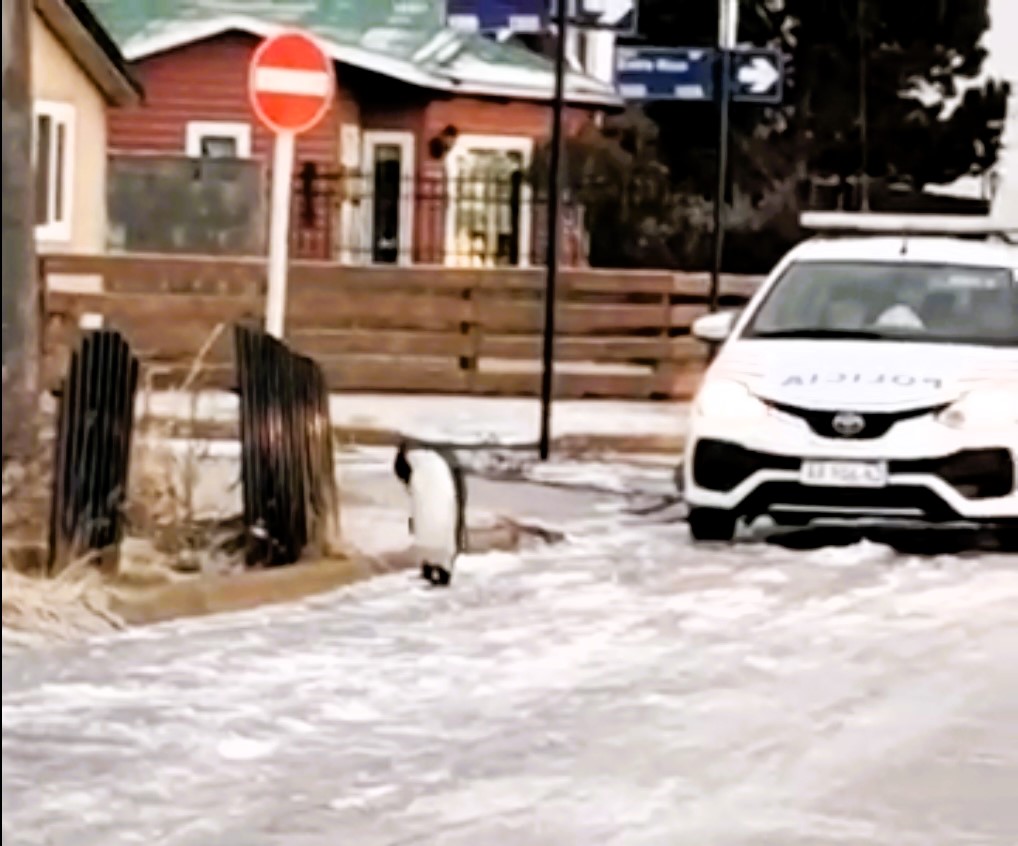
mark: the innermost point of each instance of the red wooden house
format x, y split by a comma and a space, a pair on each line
425, 156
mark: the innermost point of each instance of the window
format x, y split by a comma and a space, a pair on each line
52, 163
891, 301
488, 192
218, 140
488, 221
387, 193
388, 206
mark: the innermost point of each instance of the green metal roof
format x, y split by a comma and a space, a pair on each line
404, 39
344, 19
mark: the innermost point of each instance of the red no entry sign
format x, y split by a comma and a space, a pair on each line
291, 83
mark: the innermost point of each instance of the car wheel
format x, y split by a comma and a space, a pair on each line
711, 524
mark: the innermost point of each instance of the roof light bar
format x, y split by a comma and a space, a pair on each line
907, 224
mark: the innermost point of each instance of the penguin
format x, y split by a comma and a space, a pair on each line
434, 480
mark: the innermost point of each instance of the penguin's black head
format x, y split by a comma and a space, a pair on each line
401, 466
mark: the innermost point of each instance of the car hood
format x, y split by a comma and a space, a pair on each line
865, 375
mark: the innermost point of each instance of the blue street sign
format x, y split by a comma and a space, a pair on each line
665, 73
688, 73
758, 75
497, 15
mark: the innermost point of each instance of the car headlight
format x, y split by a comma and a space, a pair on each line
728, 400
983, 409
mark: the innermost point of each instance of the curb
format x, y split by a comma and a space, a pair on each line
199, 596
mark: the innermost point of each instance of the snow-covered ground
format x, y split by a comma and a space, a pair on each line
620, 688
485, 420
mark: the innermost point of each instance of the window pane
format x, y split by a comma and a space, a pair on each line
43, 127
59, 174
218, 147
388, 174
487, 209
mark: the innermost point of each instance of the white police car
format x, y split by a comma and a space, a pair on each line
872, 379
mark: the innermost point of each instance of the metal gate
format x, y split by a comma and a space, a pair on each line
287, 468
93, 449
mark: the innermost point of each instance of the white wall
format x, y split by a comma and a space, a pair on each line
57, 77
1005, 203
1003, 62
601, 55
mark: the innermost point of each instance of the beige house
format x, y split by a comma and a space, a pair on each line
77, 71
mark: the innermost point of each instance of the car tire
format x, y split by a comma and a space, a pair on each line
711, 524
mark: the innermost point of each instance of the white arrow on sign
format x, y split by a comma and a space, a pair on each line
758, 75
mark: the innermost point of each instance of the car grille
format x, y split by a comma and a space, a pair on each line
875, 424
721, 466
796, 503
974, 473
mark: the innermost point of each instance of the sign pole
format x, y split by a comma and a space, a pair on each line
554, 185
728, 27
724, 96
291, 84
279, 232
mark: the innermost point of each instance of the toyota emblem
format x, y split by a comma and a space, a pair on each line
848, 424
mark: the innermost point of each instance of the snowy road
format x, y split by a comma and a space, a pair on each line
622, 688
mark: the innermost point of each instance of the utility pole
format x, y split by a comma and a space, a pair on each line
864, 179
554, 186
728, 27
719, 198
20, 294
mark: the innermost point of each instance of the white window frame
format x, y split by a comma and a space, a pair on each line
521, 144
239, 131
350, 143
60, 230
370, 139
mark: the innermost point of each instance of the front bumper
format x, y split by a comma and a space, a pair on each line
934, 477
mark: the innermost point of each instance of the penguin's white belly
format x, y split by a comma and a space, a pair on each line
435, 509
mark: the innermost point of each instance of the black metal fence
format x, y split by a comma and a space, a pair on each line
489, 220
291, 500
287, 469
93, 448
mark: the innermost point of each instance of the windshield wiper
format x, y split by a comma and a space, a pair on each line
849, 334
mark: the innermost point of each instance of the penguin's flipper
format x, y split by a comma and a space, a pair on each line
401, 466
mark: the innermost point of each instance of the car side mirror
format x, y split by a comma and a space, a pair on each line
715, 328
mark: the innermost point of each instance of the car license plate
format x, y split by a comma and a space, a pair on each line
849, 474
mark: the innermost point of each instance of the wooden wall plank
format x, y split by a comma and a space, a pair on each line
607, 348
337, 342
397, 310
421, 376
164, 307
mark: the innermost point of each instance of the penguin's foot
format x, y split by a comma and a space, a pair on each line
436, 575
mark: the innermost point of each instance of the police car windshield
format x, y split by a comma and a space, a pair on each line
891, 301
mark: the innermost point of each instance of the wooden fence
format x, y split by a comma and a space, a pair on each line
622, 334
